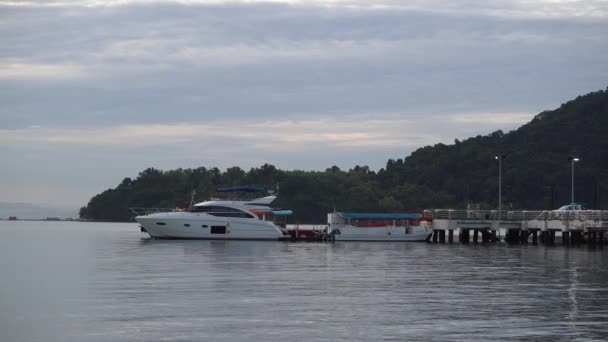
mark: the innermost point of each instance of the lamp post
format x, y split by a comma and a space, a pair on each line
551, 196
572, 161
499, 157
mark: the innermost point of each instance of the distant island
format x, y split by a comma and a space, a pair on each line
536, 174
18, 211
15, 218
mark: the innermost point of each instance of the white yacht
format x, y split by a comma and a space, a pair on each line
376, 227
217, 219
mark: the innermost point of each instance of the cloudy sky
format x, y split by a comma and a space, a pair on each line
92, 91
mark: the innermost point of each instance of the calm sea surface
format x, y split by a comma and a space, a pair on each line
70, 281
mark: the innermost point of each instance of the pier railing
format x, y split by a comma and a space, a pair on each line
521, 215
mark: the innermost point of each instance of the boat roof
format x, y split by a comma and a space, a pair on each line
262, 202
280, 212
380, 216
241, 189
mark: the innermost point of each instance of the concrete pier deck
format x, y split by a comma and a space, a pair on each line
520, 226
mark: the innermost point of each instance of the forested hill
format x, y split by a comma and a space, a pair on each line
536, 174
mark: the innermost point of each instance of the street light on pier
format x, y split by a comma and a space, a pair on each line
499, 157
572, 161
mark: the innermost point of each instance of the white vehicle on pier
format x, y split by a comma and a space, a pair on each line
573, 207
217, 219
376, 227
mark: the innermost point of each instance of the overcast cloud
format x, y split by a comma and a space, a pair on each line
94, 91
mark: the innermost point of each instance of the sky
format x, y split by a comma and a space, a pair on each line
94, 91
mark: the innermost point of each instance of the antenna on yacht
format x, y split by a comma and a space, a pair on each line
192, 198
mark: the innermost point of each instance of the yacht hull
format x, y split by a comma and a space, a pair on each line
185, 225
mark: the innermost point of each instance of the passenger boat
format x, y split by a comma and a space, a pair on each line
376, 227
217, 219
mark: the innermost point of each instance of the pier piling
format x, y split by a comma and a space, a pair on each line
592, 237
513, 236
574, 238
442, 236
523, 236
485, 236
548, 237
464, 236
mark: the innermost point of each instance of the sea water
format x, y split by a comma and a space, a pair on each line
74, 281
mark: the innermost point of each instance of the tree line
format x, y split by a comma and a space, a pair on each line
536, 174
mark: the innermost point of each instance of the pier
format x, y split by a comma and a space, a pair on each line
484, 226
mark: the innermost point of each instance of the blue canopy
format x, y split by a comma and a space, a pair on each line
281, 212
380, 216
241, 189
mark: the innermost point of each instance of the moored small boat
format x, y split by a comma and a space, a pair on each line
377, 227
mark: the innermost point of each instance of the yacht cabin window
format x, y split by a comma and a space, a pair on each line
221, 211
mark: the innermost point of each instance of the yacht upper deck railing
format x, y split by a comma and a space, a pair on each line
148, 211
521, 215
